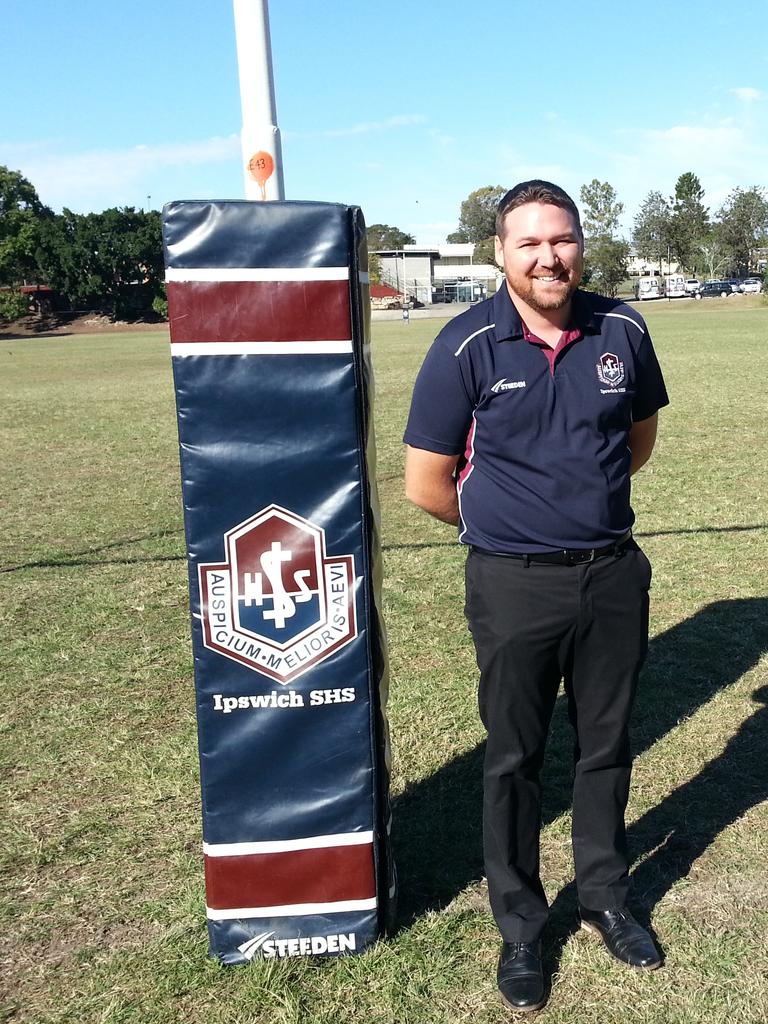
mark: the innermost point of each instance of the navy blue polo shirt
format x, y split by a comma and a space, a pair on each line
545, 456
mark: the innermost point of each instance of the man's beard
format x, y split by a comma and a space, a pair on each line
544, 299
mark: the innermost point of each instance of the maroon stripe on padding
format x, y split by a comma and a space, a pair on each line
209, 311
325, 875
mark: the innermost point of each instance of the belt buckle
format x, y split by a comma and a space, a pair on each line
574, 557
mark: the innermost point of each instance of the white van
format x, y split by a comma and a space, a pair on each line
650, 288
675, 286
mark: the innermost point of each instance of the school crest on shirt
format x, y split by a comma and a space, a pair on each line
610, 370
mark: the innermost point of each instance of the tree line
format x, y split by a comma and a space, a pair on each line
112, 261
678, 228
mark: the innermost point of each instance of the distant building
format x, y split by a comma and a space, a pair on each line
445, 273
41, 298
638, 266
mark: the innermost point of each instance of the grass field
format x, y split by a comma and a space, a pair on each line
102, 907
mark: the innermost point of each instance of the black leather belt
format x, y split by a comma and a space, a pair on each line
565, 556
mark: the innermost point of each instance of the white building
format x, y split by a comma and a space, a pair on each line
445, 273
637, 266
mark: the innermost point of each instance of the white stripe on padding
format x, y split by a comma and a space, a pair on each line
291, 910
261, 348
622, 316
219, 274
284, 845
467, 340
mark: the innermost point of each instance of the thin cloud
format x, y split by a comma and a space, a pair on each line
442, 138
76, 179
747, 94
435, 225
362, 128
696, 142
516, 166
724, 154
432, 233
515, 172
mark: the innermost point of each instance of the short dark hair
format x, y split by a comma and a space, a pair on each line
534, 191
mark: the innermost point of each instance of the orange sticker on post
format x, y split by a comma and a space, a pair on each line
261, 167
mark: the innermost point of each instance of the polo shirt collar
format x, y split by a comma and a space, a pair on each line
509, 325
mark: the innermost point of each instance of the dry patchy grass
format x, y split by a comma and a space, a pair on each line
102, 905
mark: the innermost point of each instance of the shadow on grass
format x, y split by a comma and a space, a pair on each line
76, 557
67, 324
426, 546
749, 528
705, 529
437, 822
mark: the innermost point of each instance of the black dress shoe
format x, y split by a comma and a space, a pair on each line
627, 940
520, 976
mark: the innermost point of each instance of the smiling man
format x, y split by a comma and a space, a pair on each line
529, 415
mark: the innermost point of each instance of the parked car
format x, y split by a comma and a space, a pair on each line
752, 286
714, 289
692, 285
735, 283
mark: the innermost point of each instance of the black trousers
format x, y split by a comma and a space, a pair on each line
533, 626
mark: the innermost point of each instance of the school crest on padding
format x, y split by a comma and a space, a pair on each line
278, 604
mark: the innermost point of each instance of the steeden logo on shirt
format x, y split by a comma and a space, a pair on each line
507, 385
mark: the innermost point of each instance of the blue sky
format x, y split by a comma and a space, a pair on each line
402, 108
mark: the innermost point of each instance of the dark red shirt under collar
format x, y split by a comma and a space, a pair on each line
566, 338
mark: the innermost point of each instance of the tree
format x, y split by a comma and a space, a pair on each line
744, 226
21, 216
605, 262
690, 221
712, 255
605, 257
383, 236
477, 218
485, 252
111, 259
601, 209
652, 233
13, 306
374, 268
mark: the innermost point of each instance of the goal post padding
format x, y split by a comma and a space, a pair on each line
270, 342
